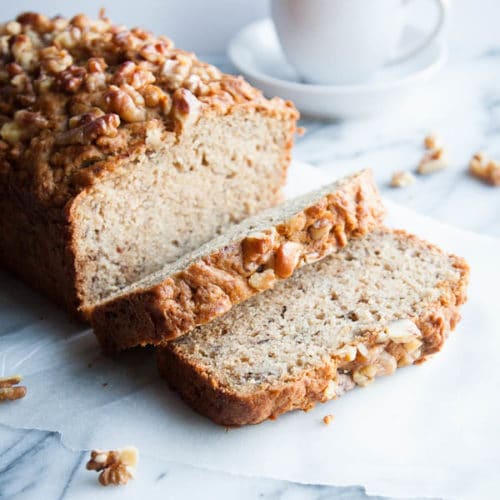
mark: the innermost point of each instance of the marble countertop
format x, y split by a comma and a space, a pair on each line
462, 104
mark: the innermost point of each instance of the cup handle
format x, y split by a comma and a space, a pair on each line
442, 6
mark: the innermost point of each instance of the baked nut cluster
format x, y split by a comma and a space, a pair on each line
115, 467
276, 253
398, 345
75, 91
10, 389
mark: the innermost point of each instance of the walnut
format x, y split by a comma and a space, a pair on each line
175, 71
432, 141
485, 169
155, 52
25, 125
410, 352
105, 125
262, 281
10, 388
116, 467
402, 178
12, 28
294, 225
328, 419
402, 331
23, 51
155, 97
364, 375
287, 258
330, 391
186, 108
71, 79
133, 75
55, 60
96, 75
347, 353
69, 38
127, 102
435, 159
257, 248
320, 229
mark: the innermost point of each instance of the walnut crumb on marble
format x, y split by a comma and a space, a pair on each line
435, 158
485, 169
10, 389
115, 466
402, 178
328, 419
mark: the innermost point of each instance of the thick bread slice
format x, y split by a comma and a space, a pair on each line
248, 259
386, 300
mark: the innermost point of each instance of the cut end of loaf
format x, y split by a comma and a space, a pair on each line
386, 300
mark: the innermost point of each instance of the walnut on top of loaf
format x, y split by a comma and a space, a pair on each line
77, 94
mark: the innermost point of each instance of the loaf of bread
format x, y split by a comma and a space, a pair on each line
386, 300
247, 259
119, 153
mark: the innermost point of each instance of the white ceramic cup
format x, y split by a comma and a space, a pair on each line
346, 41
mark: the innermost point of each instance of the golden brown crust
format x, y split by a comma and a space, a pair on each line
225, 407
211, 285
79, 96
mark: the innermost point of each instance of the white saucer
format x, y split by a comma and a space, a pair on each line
256, 53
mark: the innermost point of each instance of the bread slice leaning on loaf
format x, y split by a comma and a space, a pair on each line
119, 153
249, 258
384, 301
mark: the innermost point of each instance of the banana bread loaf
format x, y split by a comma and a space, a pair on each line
386, 300
119, 153
249, 258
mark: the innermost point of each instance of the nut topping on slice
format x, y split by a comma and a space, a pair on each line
116, 466
287, 258
402, 331
262, 281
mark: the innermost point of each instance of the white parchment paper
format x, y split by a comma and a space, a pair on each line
431, 430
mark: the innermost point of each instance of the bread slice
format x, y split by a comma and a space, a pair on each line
249, 258
120, 152
386, 300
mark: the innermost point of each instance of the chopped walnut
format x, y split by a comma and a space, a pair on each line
115, 467
402, 178
262, 281
89, 130
186, 108
434, 160
10, 388
257, 248
287, 258
485, 169
432, 141
328, 419
320, 229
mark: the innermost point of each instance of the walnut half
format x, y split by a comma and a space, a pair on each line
116, 466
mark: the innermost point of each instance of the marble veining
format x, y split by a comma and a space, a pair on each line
463, 105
